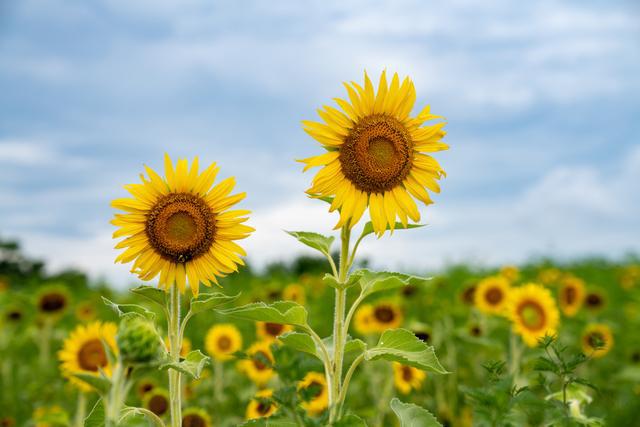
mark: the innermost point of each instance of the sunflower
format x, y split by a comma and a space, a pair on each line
407, 378
180, 227
157, 401
261, 405
222, 341
195, 417
386, 315
533, 312
491, 295
375, 154
83, 351
597, 340
144, 386
594, 300
13, 315
467, 296
85, 311
258, 367
510, 272
315, 389
363, 319
50, 416
295, 293
52, 301
571, 295
269, 332
549, 276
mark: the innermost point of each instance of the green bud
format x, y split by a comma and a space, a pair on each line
138, 340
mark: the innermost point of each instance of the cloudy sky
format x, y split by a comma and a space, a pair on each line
542, 101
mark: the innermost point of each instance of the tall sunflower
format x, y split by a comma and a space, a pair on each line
597, 340
533, 312
180, 227
491, 295
375, 154
84, 352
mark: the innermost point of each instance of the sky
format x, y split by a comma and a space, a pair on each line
541, 100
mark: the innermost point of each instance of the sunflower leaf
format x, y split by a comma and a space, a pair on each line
96, 417
314, 240
372, 282
401, 345
301, 342
100, 383
130, 411
353, 279
351, 420
411, 415
205, 302
192, 365
285, 312
123, 310
368, 228
153, 294
268, 422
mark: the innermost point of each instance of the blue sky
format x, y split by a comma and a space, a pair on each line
541, 100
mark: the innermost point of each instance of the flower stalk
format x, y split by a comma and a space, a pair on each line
175, 343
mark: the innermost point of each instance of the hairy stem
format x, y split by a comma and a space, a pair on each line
175, 388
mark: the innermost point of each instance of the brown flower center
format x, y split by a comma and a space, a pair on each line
273, 329
92, 356
376, 155
384, 314
532, 315
193, 420
570, 295
263, 407
145, 388
260, 361
14, 315
158, 404
595, 340
494, 296
593, 300
316, 389
181, 227
52, 302
407, 373
224, 343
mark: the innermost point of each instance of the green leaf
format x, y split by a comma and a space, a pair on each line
372, 282
96, 417
130, 411
353, 279
314, 240
100, 383
268, 422
123, 310
285, 312
192, 365
205, 302
401, 345
300, 342
368, 228
153, 294
354, 345
411, 415
350, 420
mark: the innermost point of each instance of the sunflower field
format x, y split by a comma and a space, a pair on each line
204, 340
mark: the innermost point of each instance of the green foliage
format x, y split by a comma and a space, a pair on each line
138, 341
314, 240
411, 415
285, 312
192, 365
401, 345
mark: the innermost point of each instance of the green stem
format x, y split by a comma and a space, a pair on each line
81, 409
45, 342
218, 381
383, 401
345, 383
115, 400
515, 354
339, 332
175, 388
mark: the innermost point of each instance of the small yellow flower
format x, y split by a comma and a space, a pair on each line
571, 295
386, 315
407, 378
83, 352
180, 227
269, 332
53, 300
195, 417
376, 154
258, 366
533, 312
511, 273
549, 276
85, 311
363, 319
184, 349
50, 416
295, 293
491, 295
594, 300
144, 386
316, 383
630, 276
597, 340
261, 406
222, 341
157, 401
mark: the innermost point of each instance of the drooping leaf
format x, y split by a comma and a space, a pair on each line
300, 341
411, 415
372, 282
350, 420
192, 365
354, 345
130, 411
100, 383
153, 294
205, 302
401, 345
96, 417
314, 240
129, 309
285, 312
353, 279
